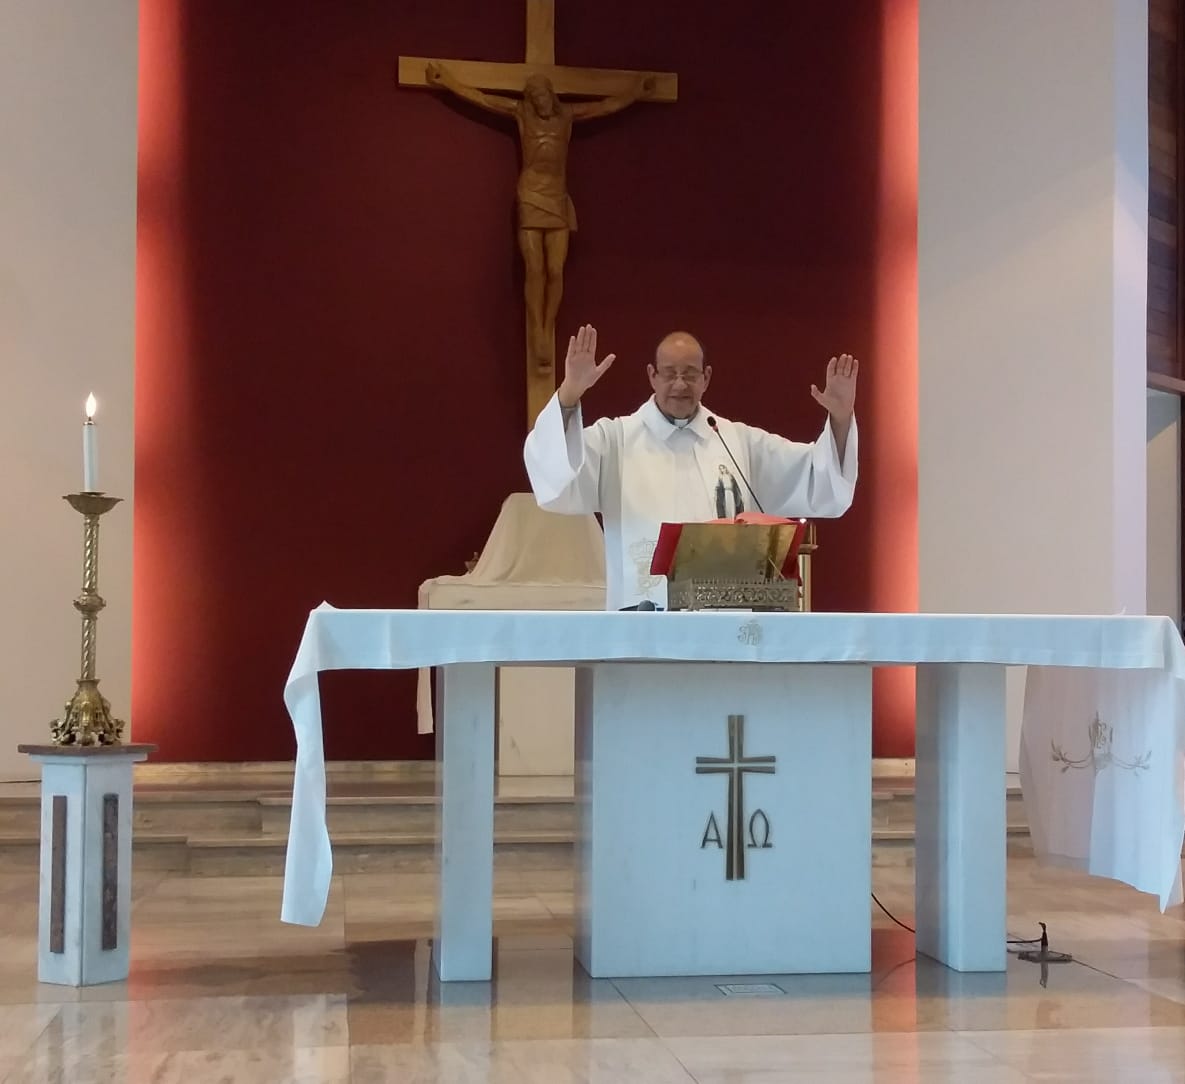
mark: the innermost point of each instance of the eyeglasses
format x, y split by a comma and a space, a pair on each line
688, 376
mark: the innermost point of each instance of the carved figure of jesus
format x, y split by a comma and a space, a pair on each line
546, 215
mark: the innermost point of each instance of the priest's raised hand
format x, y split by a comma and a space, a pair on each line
839, 396
581, 368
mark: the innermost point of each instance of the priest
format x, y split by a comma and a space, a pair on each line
674, 460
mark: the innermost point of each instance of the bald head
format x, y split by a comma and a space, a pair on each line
678, 376
678, 347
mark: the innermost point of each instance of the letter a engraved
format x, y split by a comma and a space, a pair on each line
735, 766
711, 834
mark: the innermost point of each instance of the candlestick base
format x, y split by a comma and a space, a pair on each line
88, 719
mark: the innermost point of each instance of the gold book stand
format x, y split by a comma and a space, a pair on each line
739, 566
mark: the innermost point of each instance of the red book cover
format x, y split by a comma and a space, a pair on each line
669, 533
664, 548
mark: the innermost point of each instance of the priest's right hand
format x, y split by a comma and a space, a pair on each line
581, 369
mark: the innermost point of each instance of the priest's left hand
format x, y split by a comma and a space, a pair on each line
839, 394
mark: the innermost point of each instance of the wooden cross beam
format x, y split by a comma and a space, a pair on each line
540, 60
546, 214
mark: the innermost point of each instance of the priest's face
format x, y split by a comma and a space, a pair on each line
678, 376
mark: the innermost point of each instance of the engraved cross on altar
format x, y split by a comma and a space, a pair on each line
735, 765
546, 216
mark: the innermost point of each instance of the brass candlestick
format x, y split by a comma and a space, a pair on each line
88, 719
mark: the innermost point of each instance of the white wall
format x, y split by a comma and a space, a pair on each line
67, 262
1164, 505
1032, 235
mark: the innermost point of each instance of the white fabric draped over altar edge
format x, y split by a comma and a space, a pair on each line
1120, 814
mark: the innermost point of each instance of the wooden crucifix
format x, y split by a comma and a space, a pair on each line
530, 93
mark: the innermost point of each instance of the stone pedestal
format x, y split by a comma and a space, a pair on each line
724, 819
86, 861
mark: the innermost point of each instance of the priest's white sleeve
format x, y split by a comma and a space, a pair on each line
564, 462
794, 479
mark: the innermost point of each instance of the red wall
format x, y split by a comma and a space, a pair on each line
330, 398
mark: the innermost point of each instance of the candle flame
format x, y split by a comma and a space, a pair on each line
91, 406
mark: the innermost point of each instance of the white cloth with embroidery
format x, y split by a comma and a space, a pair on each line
641, 471
1101, 771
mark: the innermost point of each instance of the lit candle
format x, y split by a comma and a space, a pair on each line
90, 449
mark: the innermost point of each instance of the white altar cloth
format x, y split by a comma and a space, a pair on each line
950, 779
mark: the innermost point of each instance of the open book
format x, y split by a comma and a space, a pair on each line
753, 546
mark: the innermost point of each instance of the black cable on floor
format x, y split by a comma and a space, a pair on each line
910, 929
1042, 955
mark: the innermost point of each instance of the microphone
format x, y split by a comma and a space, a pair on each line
712, 425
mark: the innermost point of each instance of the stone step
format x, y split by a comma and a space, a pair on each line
408, 813
254, 856
402, 852
409, 852
160, 853
231, 823
182, 812
239, 813
268, 815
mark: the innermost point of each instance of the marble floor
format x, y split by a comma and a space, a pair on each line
221, 991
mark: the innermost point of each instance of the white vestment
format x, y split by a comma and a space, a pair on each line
641, 471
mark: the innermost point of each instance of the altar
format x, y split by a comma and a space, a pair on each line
702, 736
